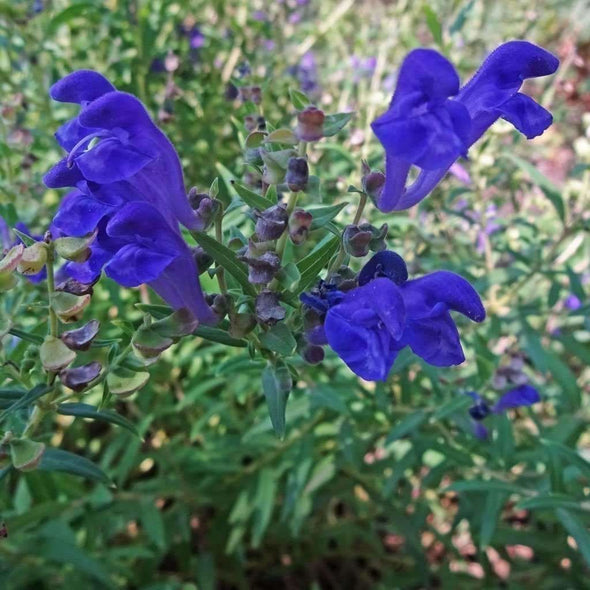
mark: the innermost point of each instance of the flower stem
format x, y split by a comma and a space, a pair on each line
53, 326
341, 253
220, 273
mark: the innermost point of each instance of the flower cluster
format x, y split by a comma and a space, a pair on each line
129, 190
431, 121
369, 324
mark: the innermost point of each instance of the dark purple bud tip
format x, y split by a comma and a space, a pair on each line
356, 240
203, 260
263, 263
479, 411
297, 174
268, 309
251, 93
299, 225
78, 378
310, 124
313, 354
205, 207
76, 287
384, 264
81, 338
373, 183
220, 304
272, 222
231, 92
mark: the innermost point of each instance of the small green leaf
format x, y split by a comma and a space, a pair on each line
81, 410
59, 460
433, 25
406, 426
27, 399
551, 191
459, 403
552, 502
279, 339
494, 502
488, 485
335, 123
325, 214
217, 335
227, 259
124, 382
251, 198
284, 136
26, 454
298, 99
577, 530
276, 384
316, 260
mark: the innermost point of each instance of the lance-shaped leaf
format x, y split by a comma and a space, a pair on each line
69, 307
55, 355
277, 384
334, 123
26, 454
81, 338
124, 382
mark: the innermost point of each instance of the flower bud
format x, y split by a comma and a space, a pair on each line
204, 206
378, 238
74, 287
299, 224
11, 259
313, 327
297, 174
263, 263
220, 304
251, 93
372, 182
81, 338
68, 307
78, 378
356, 240
310, 124
313, 354
231, 92
202, 258
268, 309
271, 222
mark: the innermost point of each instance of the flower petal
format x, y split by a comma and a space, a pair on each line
529, 117
423, 294
62, 175
80, 86
524, 395
384, 264
79, 214
133, 265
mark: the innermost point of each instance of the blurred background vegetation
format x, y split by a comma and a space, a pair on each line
375, 486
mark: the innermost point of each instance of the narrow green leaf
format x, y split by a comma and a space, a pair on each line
59, 460
552, 502
298, 99
325, 214
251, 198
226, 259
335, 123
569, 455
577, 530
433, 25
406, 426
26, 336
217, 335
276, 390
551, 191
459, 403
30, 397
81, 410
494, 501
488, 485
264, 502
316, 260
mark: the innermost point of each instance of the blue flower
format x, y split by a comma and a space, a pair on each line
523, 395
128, 186
431, 121
368, 325
147, 250
113, 140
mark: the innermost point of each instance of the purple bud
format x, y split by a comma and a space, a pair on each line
231, 92
78, 378
205, 207
81, 338
313, 354
76, 287
268, 309
297, 174
251, 93
203, 260
299, 224
271, 222
310, 124
372, 182
263, 263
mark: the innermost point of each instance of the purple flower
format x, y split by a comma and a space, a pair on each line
370, 324
307, 72
572, 302
427, 128
113, 140
128, 186
523, 395
196, 38
363, 67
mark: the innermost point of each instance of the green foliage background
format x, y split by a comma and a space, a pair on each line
374, 486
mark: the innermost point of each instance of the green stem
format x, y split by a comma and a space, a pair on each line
220, 273
53, 326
